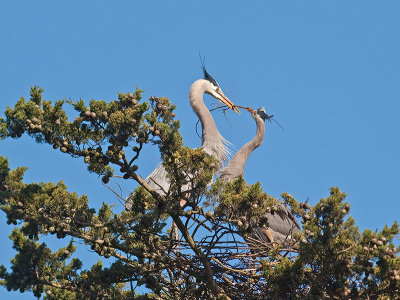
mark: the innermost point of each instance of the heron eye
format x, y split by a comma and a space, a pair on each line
217, 88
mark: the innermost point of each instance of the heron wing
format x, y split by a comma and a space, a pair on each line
158, 180
283, 221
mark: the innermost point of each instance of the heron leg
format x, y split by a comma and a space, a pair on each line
182, 202
268, 233
175, 229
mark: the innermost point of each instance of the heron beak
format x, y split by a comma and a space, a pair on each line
227, 102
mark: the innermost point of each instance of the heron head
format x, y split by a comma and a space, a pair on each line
215, 90
263, 113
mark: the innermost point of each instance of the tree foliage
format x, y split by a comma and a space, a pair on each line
213, 257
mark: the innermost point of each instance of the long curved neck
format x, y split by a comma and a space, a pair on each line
212, 141
235, 167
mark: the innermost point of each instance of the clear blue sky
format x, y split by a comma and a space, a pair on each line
328, 70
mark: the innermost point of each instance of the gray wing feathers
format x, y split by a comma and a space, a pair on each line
283, 220
158, 180
282, 225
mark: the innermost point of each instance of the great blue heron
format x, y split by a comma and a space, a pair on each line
213, 142
282, 224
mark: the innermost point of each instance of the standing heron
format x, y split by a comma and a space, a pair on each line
282, 224
213, 142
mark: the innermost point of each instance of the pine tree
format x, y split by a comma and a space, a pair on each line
213, 258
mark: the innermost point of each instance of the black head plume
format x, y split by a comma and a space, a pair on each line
263, 114
206, 75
